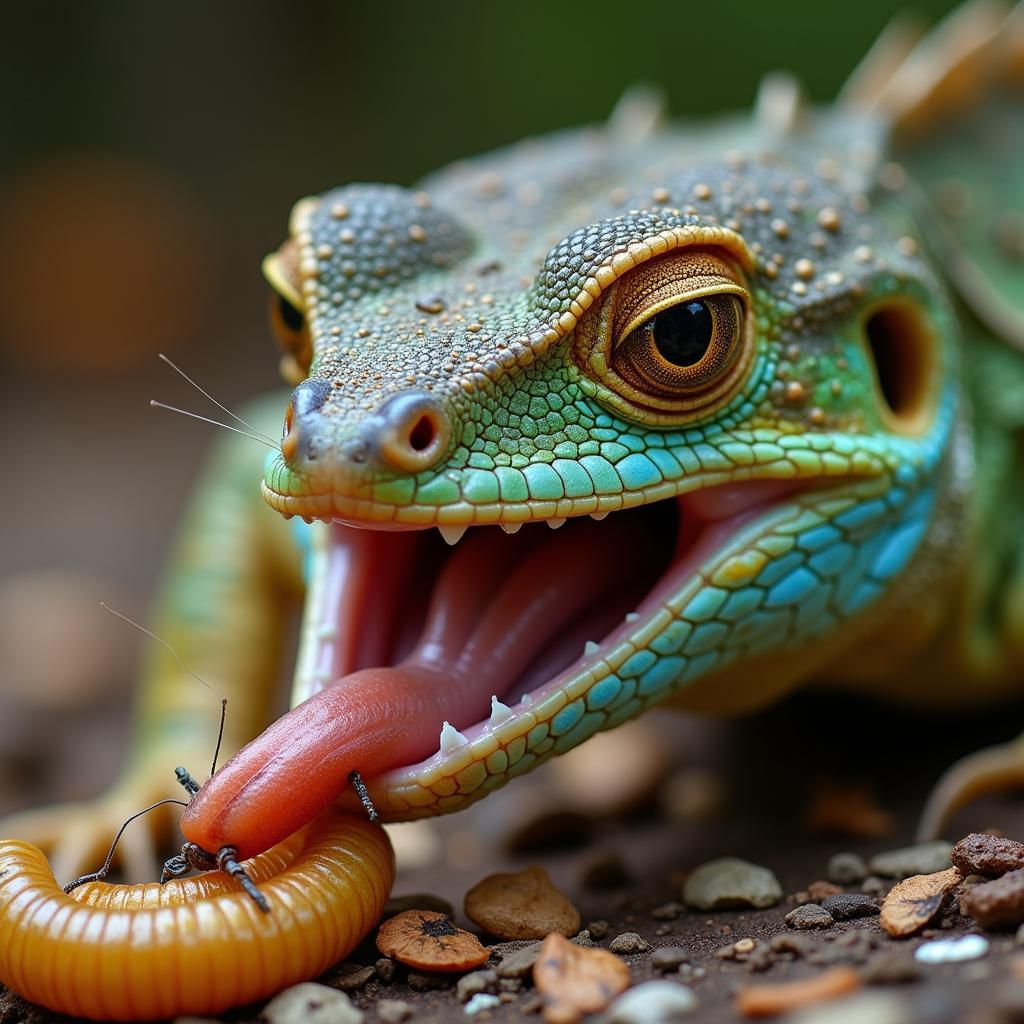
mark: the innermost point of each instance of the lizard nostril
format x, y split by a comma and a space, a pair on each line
414, 433
422, 435
290, 439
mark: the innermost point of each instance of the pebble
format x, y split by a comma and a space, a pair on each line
669, 958
912, 903
385, 968
980, 854
818, 891
598, 929
744, 945
770, 1000
652, 1002
474, 983
997, 904
922, 859
629, 942
519, 963
846, 906
863, 1008
668, 911
310, 1003
874, 886
426, 982
481, 1001
574, 980
350, 976
809, 916
521, 905
948, 951
846, 868
891, 967
731, 882
393, 1011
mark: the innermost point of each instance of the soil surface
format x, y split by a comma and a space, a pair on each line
744, 789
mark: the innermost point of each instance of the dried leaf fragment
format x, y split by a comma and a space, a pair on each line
521, 905
912, 903
775, 999
429, 941
575, 980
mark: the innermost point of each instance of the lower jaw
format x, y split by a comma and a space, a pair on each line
493, 631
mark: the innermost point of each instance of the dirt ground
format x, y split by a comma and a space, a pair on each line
742, 789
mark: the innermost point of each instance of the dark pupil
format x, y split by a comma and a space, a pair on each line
290, 316
683, 333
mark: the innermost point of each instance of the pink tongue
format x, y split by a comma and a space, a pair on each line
498, 604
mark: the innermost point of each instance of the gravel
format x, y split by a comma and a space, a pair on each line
310, 1003
731, 882
846, 868
810, 915
629, 942
921, 859
652, 1002
846, 906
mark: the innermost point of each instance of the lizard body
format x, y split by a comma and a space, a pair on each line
820, 482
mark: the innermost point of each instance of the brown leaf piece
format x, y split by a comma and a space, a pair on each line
575, 980
775, 999
912, 903
521, 905
429, 941
998, 904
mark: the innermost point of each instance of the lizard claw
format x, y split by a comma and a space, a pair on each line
992, 770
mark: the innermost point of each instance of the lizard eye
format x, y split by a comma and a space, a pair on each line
672, 339
289, 325
686, 345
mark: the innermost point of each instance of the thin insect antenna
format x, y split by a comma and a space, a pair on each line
206, 419
238, 419
174, 654
97, 876
220, 733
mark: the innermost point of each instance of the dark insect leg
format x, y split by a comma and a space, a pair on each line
364, 796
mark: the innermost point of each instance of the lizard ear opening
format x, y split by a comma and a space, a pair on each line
901, 342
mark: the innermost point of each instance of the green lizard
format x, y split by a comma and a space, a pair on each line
763, 376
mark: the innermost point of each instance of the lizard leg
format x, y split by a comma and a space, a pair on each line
224, 608
991, 770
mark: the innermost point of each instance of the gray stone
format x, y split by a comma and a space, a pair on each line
669, 958
598, 929
393, 1011
310, 1003
667, 911
731, 882
922, 859
845, 906
471, 984
846, 868
652, 1002
480, 1002
520, 962
865, 1008
629, 942
349, 976
810, 915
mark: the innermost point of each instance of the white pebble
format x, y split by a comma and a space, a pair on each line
948, 951
481, 1001
652, 1002
310, 1003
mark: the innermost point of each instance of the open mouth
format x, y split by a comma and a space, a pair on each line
489, 625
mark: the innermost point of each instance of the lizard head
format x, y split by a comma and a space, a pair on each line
680, 412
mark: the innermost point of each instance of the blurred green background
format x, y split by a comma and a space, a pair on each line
149, 156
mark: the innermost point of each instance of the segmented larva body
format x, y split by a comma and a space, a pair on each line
194, 945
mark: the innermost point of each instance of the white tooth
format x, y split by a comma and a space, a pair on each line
499, 712
632, 616
554, 524
590, 648
511, 527
451, 738
452, 534
599, 515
